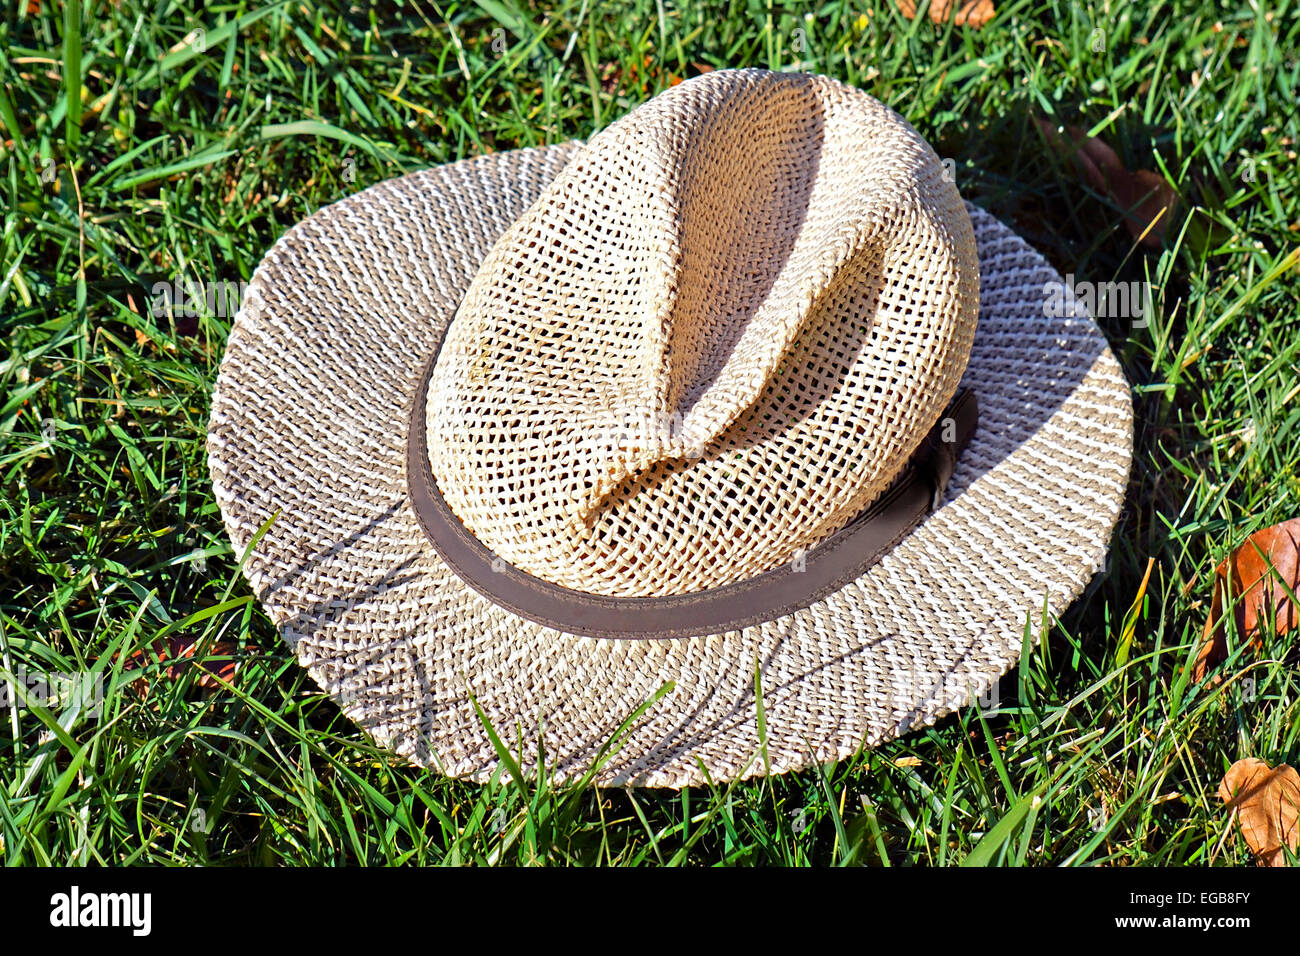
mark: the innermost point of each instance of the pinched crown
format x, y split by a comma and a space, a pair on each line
715, 338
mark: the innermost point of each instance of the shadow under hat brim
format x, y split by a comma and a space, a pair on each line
309, 426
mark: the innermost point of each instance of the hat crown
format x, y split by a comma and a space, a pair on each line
715, 338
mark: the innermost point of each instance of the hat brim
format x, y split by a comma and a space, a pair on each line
309, 426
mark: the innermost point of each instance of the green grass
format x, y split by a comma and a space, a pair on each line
136, 149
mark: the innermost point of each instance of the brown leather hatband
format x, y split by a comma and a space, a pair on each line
843, 557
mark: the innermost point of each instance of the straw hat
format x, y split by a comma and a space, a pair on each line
599, 441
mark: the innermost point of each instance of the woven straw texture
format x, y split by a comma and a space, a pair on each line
309, 421
713, 340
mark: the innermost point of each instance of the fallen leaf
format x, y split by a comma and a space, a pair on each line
177, 651
695, 69
972, 13
614, 79
1246, 576
1266, 801
1148, 201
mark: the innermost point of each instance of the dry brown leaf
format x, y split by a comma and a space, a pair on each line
695, 69
1246, 576
1147, 199
1266, 801
971, 13
642, 79
177, 651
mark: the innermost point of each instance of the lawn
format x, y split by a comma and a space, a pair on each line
148, 144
